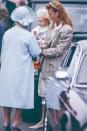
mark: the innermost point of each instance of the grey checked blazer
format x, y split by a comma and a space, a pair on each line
56, 50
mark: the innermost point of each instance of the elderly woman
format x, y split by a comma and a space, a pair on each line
17, 71
56, 49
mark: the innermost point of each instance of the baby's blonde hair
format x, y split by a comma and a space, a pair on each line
42, 12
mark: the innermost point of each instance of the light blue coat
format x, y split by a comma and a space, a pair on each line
17, 70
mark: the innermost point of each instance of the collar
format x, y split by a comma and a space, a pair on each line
58, 27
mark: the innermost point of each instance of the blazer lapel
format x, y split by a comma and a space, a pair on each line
56, 32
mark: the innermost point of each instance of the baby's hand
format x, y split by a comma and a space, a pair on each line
43, 46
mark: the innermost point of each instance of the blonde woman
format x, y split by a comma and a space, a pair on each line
56, 49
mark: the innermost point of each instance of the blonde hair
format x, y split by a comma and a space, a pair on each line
42, 12
57, 6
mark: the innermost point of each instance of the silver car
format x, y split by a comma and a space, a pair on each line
67, 90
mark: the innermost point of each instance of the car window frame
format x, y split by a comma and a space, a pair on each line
75, 84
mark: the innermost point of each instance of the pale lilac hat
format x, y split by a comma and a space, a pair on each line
24, 15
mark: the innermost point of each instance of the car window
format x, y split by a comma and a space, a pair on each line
82, 74
74, 62
67, 60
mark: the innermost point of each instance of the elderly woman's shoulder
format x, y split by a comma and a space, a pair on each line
15, 29
6, 33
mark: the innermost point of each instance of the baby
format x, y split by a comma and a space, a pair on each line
41, 30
